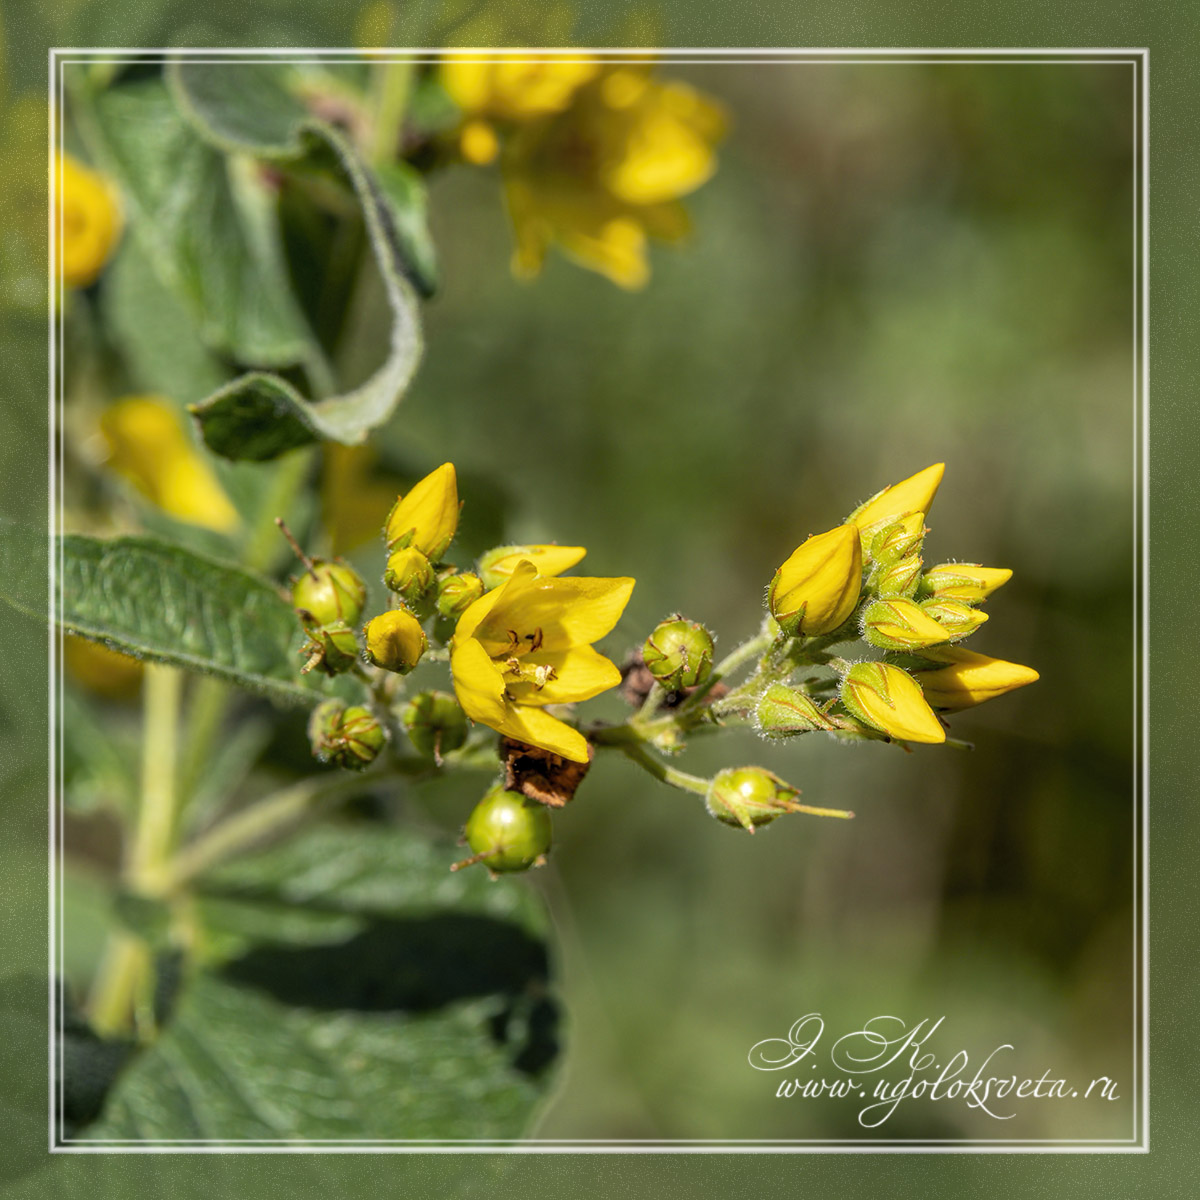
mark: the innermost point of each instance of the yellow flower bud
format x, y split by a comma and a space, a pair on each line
427, 517
900, 540
912, 495
898, 578
817, 588
899, 624
409, 574
955, 617
395, 641
478, 143
968, 582
968, 679
87, 223
890, 700
550, 560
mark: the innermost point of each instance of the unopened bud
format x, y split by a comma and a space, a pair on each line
408, 574
912, 495
395, 641
328, 592
816, 589
435, 724
968, 679
899, 624
347, 737
890, 700
897, 579
679, 653
456, 593
902, 539
333, 648
783, 711
506, 832
968, 582
955, 617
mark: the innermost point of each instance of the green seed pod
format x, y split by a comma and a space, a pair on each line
456, 593
360, 738
409, 574
324, 727
679, 653
506, 832
749, 797
435, 724
333, 648
783, 711
328, 593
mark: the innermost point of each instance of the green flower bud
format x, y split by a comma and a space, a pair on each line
456, 593
899, 624
749, 797
783, 711
507, 832
435, 724
409, 574
957, 618
328, 592
395, 641
900, 540
333, 648
968, 582
679, 653
347, 737
897, 579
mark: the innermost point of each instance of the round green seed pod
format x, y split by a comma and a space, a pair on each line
508, 832
435, 723
748, 797
331, 592
679, 653
359, 740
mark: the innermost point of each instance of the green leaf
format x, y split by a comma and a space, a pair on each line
204, 221
404, 189
420, 1010
154, 600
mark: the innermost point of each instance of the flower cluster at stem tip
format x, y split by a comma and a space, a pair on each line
518, 634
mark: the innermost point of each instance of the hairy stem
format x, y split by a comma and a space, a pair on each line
638, 753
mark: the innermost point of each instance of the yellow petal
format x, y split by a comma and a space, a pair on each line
969, 678
899, 624
536, 727
87, 221
968, 582
891, 701
429, 513
478, 684
817, 588
577, 674
148, 446
911, 495
549, 560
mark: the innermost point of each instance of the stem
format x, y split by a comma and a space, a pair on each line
126, 959
391, 83
637, 753
262, 546
736, 658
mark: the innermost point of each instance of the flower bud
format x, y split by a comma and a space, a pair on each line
890, 700
408, 574
332, 647
679, 653
900, 540
899, 624
426, 517
506, 832
435, 724
956, 618
456, 593
912, 495
783, 711
498, 564
749, 797
816, 589
329, 592
897, 579
967, 678
395, 641
968, 582
347, 737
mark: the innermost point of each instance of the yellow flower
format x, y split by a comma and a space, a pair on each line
817, 588
596, 158
912, 495
968, 678
527, 644
148, 446
889, 699
355, 489
395, 640
550, 560
87, 221
107, 672
968, 582
427, 517
899, 624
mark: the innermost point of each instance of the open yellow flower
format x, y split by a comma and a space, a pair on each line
817, 588
87, 221
549, 560
426, 517
968, 678
516, 88
148, 446
527, 644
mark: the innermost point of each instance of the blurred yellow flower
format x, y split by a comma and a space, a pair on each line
968, 678
817, 588
101, 670
148, 446
355, 489
426, 517
597, 156
87, 220
527, 644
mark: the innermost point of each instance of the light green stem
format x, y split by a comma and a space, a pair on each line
638, 753
391, 83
